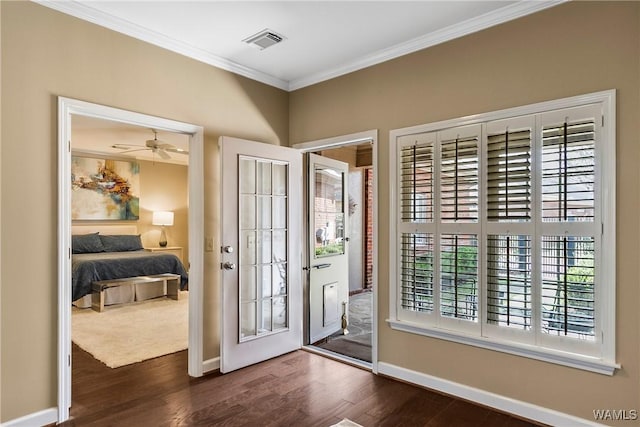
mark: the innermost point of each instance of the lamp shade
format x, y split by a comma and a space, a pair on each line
162, 218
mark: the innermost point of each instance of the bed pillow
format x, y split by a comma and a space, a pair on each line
86, 243
121, 242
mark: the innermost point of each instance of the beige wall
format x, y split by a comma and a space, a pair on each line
46, 54
571, 49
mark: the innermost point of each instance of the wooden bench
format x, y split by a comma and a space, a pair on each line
172, 282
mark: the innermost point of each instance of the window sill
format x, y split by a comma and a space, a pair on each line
577, 361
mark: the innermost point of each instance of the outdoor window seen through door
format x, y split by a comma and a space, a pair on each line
263, 249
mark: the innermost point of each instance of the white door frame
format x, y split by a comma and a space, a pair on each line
369, 136
66, 108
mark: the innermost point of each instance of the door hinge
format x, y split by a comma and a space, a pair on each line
603, 121
69, 146
69, 360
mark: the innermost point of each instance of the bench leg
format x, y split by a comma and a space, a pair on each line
173, 288
97, 301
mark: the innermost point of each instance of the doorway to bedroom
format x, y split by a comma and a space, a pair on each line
129, 216
130, 204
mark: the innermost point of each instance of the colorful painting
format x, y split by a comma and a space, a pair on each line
104, 189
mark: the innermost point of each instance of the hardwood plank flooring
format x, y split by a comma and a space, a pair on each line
297, 389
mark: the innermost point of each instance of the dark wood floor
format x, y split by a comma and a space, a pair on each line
297, 389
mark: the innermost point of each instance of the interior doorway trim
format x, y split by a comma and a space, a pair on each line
368, 136
66, 108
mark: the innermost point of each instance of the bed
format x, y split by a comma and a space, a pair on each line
117, 253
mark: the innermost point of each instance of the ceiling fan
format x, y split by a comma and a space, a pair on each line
155, 145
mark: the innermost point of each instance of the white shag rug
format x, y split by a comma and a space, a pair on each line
130, 333
346, 423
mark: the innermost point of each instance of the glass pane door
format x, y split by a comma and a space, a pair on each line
329, 211
264, 289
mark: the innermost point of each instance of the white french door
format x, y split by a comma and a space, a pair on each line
328, 246
261, 252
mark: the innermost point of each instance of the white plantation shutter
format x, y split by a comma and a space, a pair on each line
459, 179
509, 175
501, 226
568, 170
416, 176
570, 227
417, 272
509, 301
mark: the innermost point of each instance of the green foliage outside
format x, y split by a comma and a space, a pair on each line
331, 249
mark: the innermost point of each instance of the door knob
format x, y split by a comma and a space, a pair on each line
227, 249
229, 266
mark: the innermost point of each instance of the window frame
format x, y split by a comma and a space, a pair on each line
598, 356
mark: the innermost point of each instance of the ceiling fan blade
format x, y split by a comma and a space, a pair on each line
176, 150
131, 151
127, 146
163, 154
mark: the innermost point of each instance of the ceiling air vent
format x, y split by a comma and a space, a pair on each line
264, 39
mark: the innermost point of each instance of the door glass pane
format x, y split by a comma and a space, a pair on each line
279, 245
248, 284
279, 279
279, 313
264, 212
263, 256
265, 279
329, 211
264, 247
265, 318
247, 212
279, 180
247, 176
264, 178
247, 319
279, 212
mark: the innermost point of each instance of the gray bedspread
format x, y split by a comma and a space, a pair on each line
88, 268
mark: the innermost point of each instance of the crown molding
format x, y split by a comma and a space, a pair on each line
487, 20
88, 13
502, 15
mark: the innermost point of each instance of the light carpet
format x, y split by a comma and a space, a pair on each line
130, 333
346, 423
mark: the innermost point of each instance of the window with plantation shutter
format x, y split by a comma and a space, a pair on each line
505, 231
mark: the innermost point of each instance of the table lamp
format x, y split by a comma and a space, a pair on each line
162, 218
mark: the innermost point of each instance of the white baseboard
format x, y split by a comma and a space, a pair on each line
496, 401
211, 365
42, 418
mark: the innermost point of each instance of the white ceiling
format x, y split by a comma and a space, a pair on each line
323, 39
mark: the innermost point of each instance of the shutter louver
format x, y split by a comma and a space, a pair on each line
459, 180
509, 281
416, 259
568, 172
416, 198
509, 176
459, 276
568, 295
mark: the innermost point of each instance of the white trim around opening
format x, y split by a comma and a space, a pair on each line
66, 109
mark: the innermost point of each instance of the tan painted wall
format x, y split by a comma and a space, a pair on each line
46, 54
571, 49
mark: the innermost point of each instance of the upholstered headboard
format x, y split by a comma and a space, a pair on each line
104, 229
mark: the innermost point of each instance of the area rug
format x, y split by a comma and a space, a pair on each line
346, 423
130, 333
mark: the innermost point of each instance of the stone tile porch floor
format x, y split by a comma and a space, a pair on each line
357, 343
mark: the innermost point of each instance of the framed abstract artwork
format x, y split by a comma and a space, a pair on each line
104, 189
